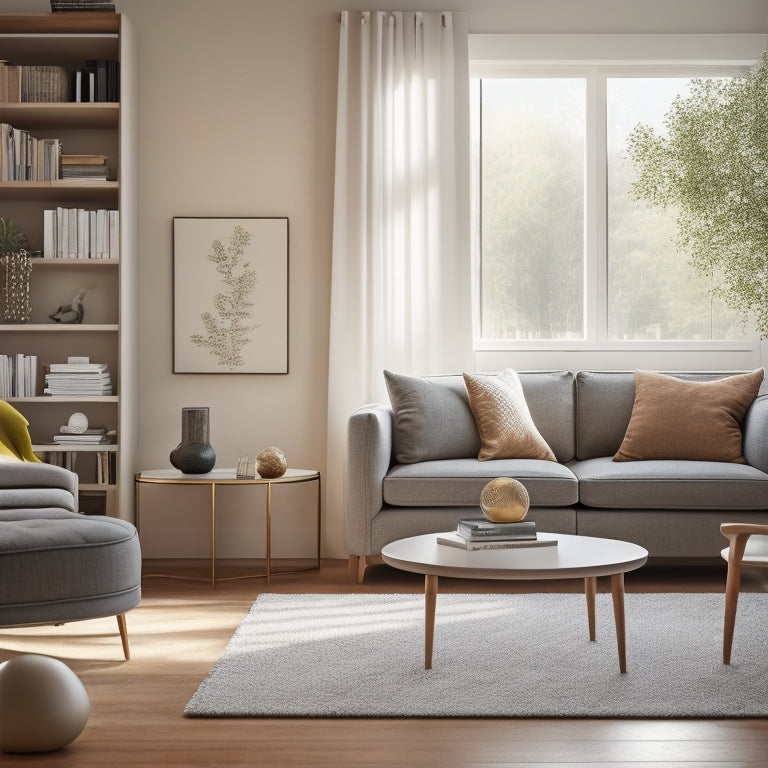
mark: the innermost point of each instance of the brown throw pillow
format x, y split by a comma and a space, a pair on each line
691, 420
503, 420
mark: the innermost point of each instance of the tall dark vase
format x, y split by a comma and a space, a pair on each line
194, 455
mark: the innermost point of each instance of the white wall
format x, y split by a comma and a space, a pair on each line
237, 118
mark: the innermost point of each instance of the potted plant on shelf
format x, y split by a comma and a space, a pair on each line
15, 272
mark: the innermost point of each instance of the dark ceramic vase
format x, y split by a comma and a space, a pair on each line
194, 455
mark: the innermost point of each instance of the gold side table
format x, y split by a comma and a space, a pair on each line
228, 477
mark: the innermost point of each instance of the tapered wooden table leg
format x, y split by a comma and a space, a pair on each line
430, 599
590, 589
617, 589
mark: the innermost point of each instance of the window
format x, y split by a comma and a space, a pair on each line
566, 257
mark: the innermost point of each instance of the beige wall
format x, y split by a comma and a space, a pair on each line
237, 117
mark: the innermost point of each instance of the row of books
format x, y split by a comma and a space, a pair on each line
82, 5
97, 80
480, 533
77, 233
18, 375
25, 158
78, 379
33, 83
64, 456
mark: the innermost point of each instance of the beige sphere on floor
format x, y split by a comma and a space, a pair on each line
43, 704
504, 500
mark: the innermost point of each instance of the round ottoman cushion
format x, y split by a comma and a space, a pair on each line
62, 566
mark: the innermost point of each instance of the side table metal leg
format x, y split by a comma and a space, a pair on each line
269, 533
213, 535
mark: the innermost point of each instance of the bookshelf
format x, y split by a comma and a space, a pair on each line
108, 331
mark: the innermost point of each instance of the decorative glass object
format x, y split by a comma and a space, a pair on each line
15, 272
504, 500
271, 463
245, 469
194, 455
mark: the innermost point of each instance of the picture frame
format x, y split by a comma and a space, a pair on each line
230, 295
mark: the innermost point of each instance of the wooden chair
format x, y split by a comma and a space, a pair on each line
748, 545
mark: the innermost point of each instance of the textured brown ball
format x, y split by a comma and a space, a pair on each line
504, 500
271, 463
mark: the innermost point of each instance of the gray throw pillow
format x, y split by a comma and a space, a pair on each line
433, 419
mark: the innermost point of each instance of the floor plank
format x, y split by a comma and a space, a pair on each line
181, 628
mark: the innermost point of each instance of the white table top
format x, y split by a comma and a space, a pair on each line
226, 475
573, 557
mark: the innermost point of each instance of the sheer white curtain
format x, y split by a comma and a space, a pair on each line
401, 293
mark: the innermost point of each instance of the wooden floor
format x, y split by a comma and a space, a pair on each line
181, 627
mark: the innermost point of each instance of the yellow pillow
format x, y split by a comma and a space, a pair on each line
691, 420
15, 442
503, 420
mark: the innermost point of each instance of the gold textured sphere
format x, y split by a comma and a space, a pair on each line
271, 463
504, 500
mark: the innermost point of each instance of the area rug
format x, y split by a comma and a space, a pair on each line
509, 655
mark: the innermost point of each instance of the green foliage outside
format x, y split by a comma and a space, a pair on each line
711, 168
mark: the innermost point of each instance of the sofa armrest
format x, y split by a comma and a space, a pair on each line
755, 442
369, 455
29, 485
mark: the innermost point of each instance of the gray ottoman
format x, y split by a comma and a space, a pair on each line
58, 566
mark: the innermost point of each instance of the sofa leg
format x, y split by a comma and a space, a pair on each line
353, 566
121, 625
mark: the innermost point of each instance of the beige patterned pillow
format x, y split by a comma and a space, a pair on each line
503, 420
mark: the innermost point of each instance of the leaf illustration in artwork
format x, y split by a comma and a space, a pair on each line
229, 328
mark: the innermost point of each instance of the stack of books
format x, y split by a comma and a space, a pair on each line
481, 533
84, 167
78, 380
18, 375
92, 436
58, 6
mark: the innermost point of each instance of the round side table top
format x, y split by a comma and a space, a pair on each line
573, 557
225, 475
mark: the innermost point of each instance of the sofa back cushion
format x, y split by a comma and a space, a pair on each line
604, 401
433, 420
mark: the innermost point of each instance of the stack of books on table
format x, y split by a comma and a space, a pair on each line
480, 533
78, 380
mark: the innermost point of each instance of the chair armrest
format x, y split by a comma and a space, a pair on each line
29, 485
755, 440
738, 535
369, 456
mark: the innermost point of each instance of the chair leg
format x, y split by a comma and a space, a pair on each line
121, 625
738, 544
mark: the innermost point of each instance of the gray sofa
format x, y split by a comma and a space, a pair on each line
673, 508
58, 565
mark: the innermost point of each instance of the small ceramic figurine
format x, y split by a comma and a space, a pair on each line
70, 313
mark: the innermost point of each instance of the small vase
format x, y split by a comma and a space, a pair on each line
194, 455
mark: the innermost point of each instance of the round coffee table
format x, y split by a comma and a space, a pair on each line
574, 557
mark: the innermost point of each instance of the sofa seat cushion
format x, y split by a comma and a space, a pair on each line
670, 485
458, 482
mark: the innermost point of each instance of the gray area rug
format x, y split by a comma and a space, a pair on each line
510, 655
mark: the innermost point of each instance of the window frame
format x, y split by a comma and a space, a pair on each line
596, 58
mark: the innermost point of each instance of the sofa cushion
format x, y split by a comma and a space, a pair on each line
506, 428
688, 420
432, 418
670, 485
458, 483
604, 401
551, 399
